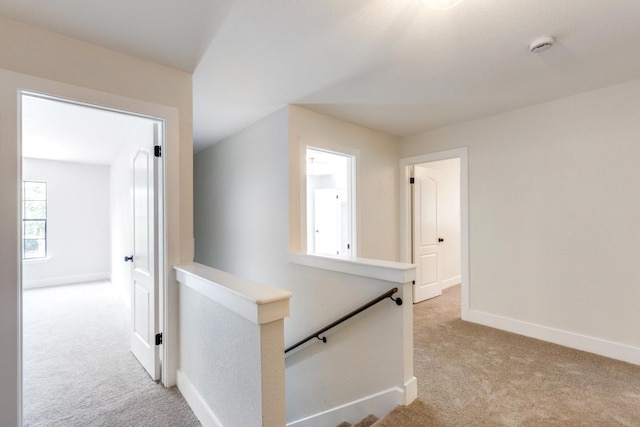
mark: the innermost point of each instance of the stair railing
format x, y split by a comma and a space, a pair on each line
358, 310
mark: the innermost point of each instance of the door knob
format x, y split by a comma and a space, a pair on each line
440, 239
128, 258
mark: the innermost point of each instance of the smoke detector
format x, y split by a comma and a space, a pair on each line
541, 44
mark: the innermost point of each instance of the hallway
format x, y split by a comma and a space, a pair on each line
470, 374
77, 366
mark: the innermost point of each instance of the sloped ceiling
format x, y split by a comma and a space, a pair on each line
391, 65
56, 130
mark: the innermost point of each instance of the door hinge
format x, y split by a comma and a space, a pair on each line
157, 150
412, 180
159, 338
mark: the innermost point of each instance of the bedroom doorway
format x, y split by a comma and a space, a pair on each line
451, 170
84, 154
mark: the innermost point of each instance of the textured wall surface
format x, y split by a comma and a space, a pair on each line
553, 214
220, 354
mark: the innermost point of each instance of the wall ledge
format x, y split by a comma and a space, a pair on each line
254, 301
390, 271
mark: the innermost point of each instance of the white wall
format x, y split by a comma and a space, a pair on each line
37, 60
554, 211
242, 223
377, 202
448, 220
210, 357
78, 247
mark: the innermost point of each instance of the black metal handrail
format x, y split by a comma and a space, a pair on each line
317, 334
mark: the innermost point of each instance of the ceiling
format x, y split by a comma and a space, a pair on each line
391, 65
57, 130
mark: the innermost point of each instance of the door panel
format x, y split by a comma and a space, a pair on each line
327, 221
429, 266
141, 310
144, 304
425, 234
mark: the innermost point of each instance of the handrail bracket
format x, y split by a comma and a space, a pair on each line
398, 300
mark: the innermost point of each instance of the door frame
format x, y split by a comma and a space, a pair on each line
170, 231
405, 212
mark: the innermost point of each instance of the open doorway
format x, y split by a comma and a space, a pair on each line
435, 208
103, 201
434, 222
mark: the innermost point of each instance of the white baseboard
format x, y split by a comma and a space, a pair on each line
378, 404
410, 391
452, 281
64, 280
196, 402
613, 350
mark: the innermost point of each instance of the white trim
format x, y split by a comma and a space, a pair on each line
36, 260
65, 280
410, 390
390, 271
352, 185
452, 281
254, 301
143, 102
169, 116
379, 404
301, 179
405, 212
613, 350
195, 400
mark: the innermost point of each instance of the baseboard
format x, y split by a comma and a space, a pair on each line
64, 280
410, 391
452, 281
196, 402
378, 404
613, 350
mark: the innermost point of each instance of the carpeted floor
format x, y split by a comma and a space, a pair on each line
471, 375
78, 370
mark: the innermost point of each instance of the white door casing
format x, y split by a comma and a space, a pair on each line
144, 295
330, 208
425, 234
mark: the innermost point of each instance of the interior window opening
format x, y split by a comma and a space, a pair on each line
330, 207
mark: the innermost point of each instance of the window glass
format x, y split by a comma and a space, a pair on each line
34, 219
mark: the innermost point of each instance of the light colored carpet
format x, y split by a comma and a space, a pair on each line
471, 375
78, 370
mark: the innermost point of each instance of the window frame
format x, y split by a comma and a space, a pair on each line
351, 195
42, 220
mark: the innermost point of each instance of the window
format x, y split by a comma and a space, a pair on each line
330, 207
34, 220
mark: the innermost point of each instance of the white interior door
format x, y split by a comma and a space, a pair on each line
327, 214
425, 234
144, 298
